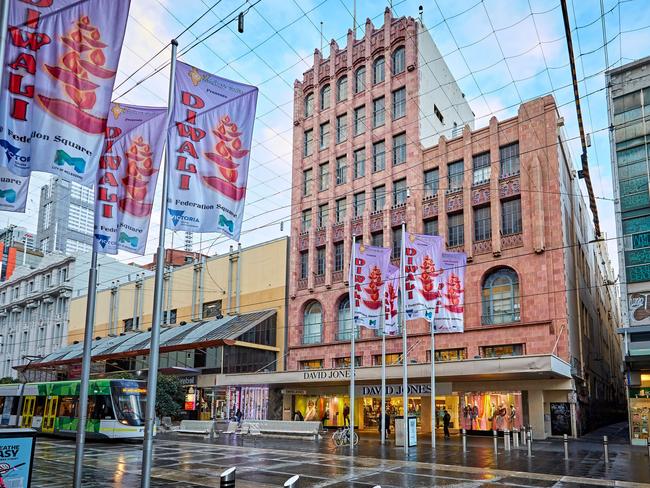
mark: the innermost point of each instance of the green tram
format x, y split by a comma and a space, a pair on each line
115, 407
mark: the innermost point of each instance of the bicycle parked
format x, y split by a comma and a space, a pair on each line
342, 437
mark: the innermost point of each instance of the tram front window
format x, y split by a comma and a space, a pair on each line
130, 404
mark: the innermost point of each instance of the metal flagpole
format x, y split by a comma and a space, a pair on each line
405, 385
433, 382
4, 20
147, 444
85, 372
352, 351
383, 365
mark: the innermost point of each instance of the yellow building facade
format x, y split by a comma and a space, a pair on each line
244, 280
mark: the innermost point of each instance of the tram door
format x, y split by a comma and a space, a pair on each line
49, 415
28, 411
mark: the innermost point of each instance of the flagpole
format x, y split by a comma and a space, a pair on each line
383, 364
405, 398
352, 348
4, 21
147, 444
85, 371
433, 382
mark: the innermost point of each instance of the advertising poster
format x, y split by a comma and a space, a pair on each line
211, 134
15, 461
61, 60
639, 306
391, 293
13, 188
422, 255
450, 305
126, 180
367, 275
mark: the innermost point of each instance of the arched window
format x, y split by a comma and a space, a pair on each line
325, 95
312, 323
344, 323
309, 105
342, 88
378, 74
501, 297
360, 79
399, 60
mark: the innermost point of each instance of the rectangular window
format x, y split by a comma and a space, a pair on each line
324, 176
307, 180
341, 170
341, 128
501, 351
378, 112
456, 230
359, 203
344, 363
323, 212
308, 147
431, 183
359, 120
83, 193
304, 264
47, 215
455, 175
438, 113
399, 192
481, 168
399, 149
338, 256
305, 223
210, 309
378, 198
431, 227
312, 363
509, 157
511, 217
377, 238
360, 163
81, 219
320, 261
399, 103
482, 224
172, 316
73, 246
340, 210
448, 354
378, 156
397, 243
324, 135
393, 358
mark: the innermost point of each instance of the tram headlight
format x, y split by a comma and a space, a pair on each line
124, 422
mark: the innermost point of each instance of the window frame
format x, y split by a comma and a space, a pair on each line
379, 113
308, 105
399, 149
378, 76
325, 97
361, 70
515, 223
455, 235
482, 224
398, 106
378, 156
378, 195
493, 311
398, 63
342, 89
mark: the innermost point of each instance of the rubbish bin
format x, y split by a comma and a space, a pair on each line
16, 456
410, 431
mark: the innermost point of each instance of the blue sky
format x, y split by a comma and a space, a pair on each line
501, 52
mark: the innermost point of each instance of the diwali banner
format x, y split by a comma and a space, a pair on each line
61, 59
211, 136
126, 179
422, 255
449, 314
13, 191
391, 289
367, 275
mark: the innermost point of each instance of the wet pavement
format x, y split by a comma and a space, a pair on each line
197, 461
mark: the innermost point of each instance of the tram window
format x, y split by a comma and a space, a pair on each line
14, 406
101, 408
2, 404
67, 407
39, 406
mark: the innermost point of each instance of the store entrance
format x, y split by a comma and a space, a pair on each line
371, 411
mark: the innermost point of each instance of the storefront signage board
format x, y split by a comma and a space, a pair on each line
331, 374
187, 380
417, 389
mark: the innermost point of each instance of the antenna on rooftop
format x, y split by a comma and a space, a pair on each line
421, 11
321, 39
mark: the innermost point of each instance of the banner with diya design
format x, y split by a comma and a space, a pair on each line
60, 65
391, 293
367, 275
211, 135
422, 267
450, 305
126, 179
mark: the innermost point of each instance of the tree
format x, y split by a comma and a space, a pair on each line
170, 396
7, 380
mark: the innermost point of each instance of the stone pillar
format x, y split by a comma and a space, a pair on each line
536, 413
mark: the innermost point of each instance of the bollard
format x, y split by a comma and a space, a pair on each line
292, 482
495, 439
463, 435
606, 449
506, 440
530, 444
515, 438
566, 447
523, 435
228, 478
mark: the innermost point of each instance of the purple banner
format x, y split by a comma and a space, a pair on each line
450, 305
421, 268
391, 312
211, 136
126, 180
367, 275
60, 66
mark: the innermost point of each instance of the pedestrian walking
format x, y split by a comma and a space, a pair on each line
446, 420
238, 416
346, 415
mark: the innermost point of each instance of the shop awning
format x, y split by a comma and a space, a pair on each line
209, 333
505, 368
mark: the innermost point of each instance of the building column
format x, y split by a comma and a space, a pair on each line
536, 413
